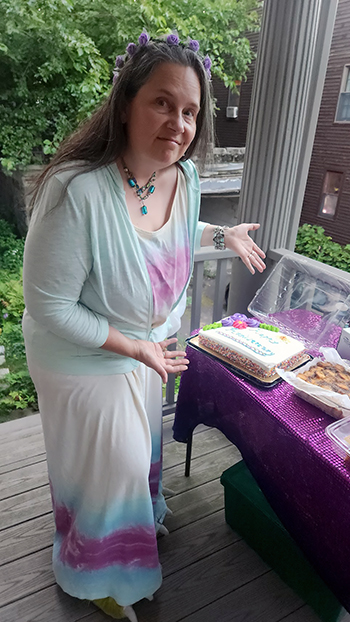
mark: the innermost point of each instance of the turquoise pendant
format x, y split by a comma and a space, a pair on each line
143, 210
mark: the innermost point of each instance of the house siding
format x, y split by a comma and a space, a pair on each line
331, 150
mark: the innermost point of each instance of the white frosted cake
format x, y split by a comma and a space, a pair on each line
257, 350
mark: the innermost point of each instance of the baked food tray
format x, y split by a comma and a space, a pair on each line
257, 381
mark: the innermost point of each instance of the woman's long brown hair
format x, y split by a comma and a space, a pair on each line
102, 138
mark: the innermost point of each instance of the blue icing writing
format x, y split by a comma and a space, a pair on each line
240, 336
268, 337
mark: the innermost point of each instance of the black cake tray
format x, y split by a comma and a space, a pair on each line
241, 373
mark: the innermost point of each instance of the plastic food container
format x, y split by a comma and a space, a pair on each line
304, 301
337, 405
310, 302
339, 433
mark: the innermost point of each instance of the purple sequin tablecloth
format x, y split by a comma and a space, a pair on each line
282, 440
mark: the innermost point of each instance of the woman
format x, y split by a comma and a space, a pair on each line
108, 258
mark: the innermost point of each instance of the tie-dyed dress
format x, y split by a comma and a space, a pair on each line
103, 436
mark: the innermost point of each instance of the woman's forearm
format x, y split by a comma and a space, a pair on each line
207, 235
120, 344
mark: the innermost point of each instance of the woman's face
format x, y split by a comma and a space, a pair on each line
161, 119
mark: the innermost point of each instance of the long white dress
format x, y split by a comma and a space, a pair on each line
103, 441
103, 437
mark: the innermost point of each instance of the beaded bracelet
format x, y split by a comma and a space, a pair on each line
218, 238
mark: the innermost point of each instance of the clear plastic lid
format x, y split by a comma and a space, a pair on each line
339, 433
303, 301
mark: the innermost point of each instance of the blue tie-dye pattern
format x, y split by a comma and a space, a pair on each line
132, 586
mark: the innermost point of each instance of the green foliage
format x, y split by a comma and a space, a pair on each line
11, 249
51, 74
217, 24
12, 339
312, 242
56, 58
17, 392
11, 301
177, 385
11, 286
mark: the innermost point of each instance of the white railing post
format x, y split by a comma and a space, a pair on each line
220, 286
197, 288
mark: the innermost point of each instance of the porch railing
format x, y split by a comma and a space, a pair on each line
204, 254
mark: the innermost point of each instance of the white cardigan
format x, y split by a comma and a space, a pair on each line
84, 270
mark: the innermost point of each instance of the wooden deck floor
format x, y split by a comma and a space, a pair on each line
210, 574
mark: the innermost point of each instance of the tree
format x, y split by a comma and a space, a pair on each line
56, 58
51, 74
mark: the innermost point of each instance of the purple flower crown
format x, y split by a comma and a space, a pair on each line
172, 39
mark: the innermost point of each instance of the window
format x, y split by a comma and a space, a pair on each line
343, 109
330, 194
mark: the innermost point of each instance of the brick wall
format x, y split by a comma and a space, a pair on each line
331, 151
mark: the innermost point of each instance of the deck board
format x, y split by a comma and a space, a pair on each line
26, 478
209, 572
16, 451
26, 538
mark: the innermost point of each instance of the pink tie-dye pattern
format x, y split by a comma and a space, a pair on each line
133, 546
168, 274
128, 547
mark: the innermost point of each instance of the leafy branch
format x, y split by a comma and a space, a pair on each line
312, 242
56, 59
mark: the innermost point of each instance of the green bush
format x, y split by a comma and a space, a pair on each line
17, 392
12, 340
11, 249
312, 242
11, 298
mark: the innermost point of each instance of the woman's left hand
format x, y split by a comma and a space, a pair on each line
158, 357
238, 240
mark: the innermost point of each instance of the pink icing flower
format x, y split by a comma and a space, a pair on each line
239, 324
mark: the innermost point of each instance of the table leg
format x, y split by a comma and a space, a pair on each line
188, 454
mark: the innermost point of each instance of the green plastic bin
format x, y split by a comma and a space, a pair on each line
248, 512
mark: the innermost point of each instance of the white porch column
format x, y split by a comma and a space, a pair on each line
291, 66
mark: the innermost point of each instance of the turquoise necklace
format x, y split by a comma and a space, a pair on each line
142, 192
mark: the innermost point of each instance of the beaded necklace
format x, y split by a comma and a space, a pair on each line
142, 192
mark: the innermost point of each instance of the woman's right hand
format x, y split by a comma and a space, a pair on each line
157, 357
154, 355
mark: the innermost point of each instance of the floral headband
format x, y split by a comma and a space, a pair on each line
144, 39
